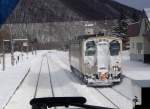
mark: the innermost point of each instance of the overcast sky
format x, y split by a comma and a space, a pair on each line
139, 4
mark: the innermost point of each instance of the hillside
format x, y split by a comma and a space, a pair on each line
37, 11
54, 22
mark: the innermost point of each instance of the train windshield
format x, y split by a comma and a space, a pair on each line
114, 48
103, 48
90, 48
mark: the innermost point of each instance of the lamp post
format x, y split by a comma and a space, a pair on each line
12, 46
3, 56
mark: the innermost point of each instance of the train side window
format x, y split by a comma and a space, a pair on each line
114, 48
90, 48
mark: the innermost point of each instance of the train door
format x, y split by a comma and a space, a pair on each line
103, 60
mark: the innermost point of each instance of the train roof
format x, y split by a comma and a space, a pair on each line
89, 36
84, 37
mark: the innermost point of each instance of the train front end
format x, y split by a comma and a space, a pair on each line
107, 63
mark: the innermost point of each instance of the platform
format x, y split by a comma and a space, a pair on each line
136, 81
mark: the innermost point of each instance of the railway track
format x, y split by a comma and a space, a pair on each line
40, 80
101, 90
36, 88
28, 87
16, 89
118, 99
51, 75
107, 98
51, 78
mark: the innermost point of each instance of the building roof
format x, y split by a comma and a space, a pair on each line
133, 29
147, 25
142, 27
147, 12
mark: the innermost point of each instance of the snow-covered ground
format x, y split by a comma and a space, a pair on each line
69, 85
14, 95
22, 57
135, 70
12, 77
117, 99
63, 82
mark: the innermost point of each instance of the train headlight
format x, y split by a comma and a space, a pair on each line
116, 68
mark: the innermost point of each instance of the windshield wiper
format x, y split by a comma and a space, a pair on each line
43, 103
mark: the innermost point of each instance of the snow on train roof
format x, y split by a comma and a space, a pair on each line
147, 11
95, 35
104, 37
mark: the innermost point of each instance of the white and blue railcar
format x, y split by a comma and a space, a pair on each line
96, 59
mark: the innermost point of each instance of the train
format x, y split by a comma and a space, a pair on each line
96, 59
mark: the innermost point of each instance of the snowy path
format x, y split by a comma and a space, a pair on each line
52, 67
113, 96
70, 86
117, 99
37, 84
64, 84
11, 78
26, 90
44, 86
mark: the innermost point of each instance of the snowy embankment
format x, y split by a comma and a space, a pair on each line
135, 70
69, 84
19, 57
63, 80
11, 78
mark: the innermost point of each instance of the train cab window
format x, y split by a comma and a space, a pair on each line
90, 48
114, 48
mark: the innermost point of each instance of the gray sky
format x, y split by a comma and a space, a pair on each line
139, 4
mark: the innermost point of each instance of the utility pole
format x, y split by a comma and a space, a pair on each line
3, 56
12, 47
106, 28
12, 51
